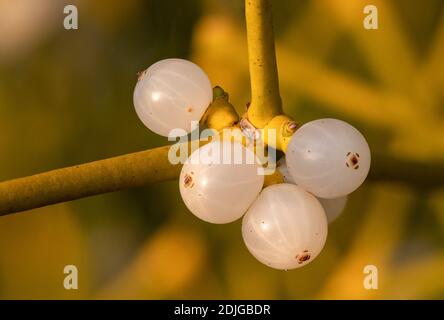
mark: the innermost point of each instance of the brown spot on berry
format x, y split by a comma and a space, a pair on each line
188, 180
352, 160
190, 109
303, 257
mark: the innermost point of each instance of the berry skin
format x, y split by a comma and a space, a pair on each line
328, 158
281, 166
171, 94
215, 187
285, 228
332, 207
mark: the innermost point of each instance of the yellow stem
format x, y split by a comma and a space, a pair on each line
277, 133
221, 113
131, 170
265, 99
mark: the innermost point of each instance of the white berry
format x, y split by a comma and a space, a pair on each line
328, 158
333, 207
281, 166
219, 181
171, 94
285, 228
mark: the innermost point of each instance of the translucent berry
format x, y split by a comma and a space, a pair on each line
281, 166
219, 181
333, 207
328, 158
285, 227
171, 94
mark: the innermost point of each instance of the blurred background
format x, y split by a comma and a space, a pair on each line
66, 98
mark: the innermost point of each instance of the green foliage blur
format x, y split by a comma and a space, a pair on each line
66, 98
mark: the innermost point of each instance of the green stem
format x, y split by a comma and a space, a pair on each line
131, 170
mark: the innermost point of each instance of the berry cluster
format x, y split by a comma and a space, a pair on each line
284, 225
